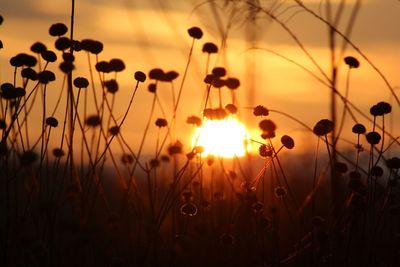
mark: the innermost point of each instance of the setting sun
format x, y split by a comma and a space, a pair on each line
223, 138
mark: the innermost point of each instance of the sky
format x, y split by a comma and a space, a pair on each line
153, 33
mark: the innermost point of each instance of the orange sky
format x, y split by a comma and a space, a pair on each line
148, 34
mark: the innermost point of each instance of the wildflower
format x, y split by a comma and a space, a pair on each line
38, 48
58, 152
323, 127
156, 74
376, 171
382, 108
68, 57
209, 78
287, 141
195, 32
52, 122
103, 66
111, 86
126, 159
393, 163
28, 157
140, 76
218, 83
76, 45
194, 120
231, 108
93, 121
267, 126
49, 56
358, 129
170, 76
66, 66
62, 43
23, 59
175, 148
114, 130
210, 48
373, 138
189, 209
46, 76
117, 65
219, 72
29, 73
92, 46
280, 192
340, 167
352, 62
152, 88
264, 151
160, 122
58, 29
232, 83
257, 207
260, 111
81, 82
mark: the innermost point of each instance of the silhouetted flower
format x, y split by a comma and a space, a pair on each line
194, 120
81, 82
29, 73
209, 78
175, 148
373, 138
170, 76
66, 66
358, 129
46, 76
264, 151
287, 141
28, 157
156, 74
231, 108
195, 32
117, 65
51, 121
189, 209
352, 62
260, 111
103, 66
93, 121
67, 56
219, 72
114, 130
376, 171
92, 46
62, 43
152, 88
232, 83
58, 152
111, 86
140, 76
154, 163
323, 127
58, 29
210, 48
38, 48
340, 167
23, 59
218, 83
49, 56
393, 163
160, 122
280, 192
127, 159
380, 109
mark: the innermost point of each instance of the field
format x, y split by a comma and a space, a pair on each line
163, 177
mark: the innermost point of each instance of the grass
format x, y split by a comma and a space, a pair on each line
81, 194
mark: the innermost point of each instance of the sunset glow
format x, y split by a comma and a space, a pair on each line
223, 138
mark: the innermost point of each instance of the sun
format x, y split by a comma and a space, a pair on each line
225, 138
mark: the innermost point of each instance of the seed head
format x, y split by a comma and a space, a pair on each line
140, 76
210, 48
194, 120
160, 122
117, 65
287, 141
38, 48
111, 86
358, 129
260, 111
58, 29
195, 32
323, 127
352, 62
52, 122
373, 138
81, 82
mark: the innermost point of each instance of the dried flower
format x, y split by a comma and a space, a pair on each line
210, 48
358, 129
265, 151
62, 43
323, 127
103, 66
194, 120
260, 111
49, 56
219, 72
46, 76
92, 46
231, 108
29, 73
58, 152
111, 86
127, 159
58, 29
352, 62
117, 65
232, 83
93, 121
114, 130
170, 76
195, 32
373, 138
287, 141
81, 82
38, 48
175, 148
156, 74
160, 122
66, 66
52, 122
140, 76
